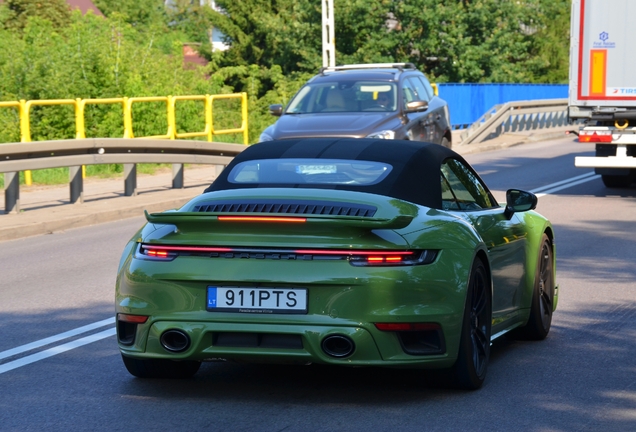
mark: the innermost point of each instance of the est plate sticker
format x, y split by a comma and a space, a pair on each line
257, 300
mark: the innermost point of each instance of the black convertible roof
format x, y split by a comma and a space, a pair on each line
416, 166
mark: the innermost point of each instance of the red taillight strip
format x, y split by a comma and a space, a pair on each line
135, 319
357, 252
356, 257
350, 252
186, 248
407, 326
262, 219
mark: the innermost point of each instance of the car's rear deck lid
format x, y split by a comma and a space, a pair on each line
286, 206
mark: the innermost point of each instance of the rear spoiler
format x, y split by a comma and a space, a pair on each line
177, 218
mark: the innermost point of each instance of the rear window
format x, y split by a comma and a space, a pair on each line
311, 171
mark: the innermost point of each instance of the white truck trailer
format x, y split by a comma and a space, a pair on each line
602, 90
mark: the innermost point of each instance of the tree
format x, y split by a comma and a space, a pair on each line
270, 32
57, 12
138, 13
467, 41
552, 41
452, 41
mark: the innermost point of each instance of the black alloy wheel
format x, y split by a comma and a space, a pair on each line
542, 305
474, 348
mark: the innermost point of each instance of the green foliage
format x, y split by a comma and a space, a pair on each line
192, 20
452, 41
183, 21
18, 12
90, 58
138, 13
360, 32
286, 33
553, 41
467, 41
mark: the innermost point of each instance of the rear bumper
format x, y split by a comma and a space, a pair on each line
299, 344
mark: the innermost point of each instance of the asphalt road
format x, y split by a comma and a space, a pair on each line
581, 378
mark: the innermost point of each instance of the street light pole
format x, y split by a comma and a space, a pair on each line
328, 38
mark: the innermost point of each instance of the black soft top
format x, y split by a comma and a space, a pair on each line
416, 166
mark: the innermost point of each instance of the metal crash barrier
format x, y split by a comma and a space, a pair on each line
74, 153
20, 157
516, 116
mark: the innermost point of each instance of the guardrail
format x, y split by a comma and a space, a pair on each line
79, 105
75, 153
517, 117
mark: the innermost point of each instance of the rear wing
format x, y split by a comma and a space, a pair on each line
322, 221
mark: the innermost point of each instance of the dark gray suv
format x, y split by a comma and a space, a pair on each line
391, 101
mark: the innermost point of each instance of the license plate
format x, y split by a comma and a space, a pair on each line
257, 300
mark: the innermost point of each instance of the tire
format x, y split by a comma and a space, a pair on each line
446, 143
474, 346
617, 181
160, 368
542, 305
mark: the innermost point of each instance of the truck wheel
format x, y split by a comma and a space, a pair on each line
617, 181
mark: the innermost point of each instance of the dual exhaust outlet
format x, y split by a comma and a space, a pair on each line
336, 346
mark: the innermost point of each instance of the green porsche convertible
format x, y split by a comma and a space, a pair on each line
352, 252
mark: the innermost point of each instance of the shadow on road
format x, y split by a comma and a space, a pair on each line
580, 378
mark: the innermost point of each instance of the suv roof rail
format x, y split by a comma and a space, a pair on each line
399, 66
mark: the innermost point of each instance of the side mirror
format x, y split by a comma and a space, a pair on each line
276, 110
415, 106
519, 201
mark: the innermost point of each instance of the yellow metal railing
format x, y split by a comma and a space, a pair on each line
208, 132
79, 105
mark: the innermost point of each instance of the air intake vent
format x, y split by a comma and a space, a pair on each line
308, 207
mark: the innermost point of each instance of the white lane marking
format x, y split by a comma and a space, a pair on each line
559, 183
55, 338
565, 186
56, 350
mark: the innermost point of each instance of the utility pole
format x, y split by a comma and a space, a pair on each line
328, 38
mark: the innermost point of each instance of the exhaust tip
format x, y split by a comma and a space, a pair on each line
338, 346
175, 341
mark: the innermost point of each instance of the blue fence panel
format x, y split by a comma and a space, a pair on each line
468, 102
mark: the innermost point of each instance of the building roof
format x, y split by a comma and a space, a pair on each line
191, 55
84, 6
